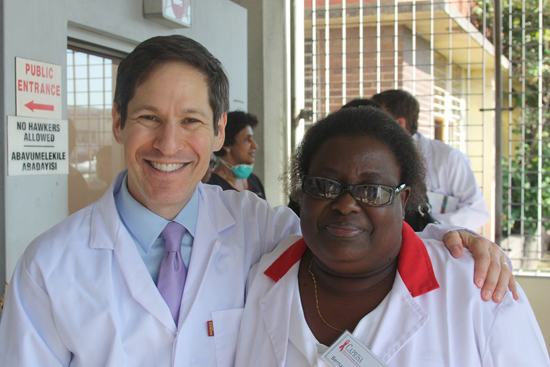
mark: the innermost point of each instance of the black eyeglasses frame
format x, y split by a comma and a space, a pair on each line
394, 191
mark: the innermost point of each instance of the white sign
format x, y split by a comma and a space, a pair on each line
38, 89
169, 13
37, 146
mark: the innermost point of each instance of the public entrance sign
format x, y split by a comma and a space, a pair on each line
38, 89
37, 146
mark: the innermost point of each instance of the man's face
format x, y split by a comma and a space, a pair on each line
168, 137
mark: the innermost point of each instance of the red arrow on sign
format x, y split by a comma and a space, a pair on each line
36, 106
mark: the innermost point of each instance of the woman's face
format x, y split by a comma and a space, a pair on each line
244, 148
347, 237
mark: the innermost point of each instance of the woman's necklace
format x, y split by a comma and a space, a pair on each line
317, 299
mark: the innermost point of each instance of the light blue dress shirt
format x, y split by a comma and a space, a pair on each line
145, 227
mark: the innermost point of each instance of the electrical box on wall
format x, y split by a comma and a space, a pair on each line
169, 13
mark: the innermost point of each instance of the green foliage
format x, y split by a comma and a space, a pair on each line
521, 28
521, 180
526, 44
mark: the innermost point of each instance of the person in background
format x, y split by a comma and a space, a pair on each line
154, 272
214, 161
453, 193
362, 102
418, 218
234, 172
360, 280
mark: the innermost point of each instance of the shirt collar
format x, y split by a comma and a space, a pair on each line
414, 264
144, 225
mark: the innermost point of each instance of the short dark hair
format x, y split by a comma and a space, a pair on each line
400, 103
366, 121
154, 52
362, 102
236, 122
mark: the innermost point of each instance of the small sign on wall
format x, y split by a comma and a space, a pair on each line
38, 89
37, 146
169, 13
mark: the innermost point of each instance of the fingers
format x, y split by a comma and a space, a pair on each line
502, 283
479, 247
513, 287
492, 271
453, 242
499, 278
492, 279
506, 280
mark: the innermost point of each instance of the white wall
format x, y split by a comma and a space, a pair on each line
38, 30
268, 90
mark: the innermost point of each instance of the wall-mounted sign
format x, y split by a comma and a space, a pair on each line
169, 13
37, 146
38, 89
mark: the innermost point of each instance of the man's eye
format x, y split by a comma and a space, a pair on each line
191, 120
148, 118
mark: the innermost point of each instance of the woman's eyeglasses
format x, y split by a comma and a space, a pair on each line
366, 194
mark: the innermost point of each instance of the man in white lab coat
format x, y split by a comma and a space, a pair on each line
85, 293
453, 192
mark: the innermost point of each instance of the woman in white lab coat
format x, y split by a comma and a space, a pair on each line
360, 268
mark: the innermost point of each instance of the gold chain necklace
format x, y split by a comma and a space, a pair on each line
317, 299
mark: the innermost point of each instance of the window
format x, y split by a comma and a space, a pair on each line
95, 158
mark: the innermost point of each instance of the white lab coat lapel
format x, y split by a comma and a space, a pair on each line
213, 218
140, 283
402, 319
115, 237
276, 312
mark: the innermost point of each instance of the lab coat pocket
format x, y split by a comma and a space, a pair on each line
226, 334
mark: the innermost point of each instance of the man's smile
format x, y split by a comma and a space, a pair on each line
163, 167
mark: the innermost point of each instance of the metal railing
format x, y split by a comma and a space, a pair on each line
444, 53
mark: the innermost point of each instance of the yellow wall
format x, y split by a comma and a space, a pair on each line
481, 125
537, 290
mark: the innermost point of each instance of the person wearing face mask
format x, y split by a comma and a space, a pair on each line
234, 172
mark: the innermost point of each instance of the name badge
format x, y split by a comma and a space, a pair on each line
347, 351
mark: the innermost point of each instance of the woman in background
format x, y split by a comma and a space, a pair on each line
234, 171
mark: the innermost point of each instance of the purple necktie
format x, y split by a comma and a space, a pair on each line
172, 272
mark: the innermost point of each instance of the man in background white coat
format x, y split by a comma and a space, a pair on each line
453, 192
